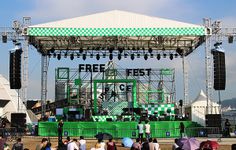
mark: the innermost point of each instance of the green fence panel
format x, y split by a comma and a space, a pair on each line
159, 129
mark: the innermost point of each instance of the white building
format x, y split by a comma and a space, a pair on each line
197, 109
9, 101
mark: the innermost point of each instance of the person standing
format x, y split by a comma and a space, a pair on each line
43, 144
140, 130
82, 143
111, 145
181, 129
60, 128
73, 145
18, 145
147, 130
156, 144
227, 128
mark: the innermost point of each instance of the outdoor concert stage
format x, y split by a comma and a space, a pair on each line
159, 129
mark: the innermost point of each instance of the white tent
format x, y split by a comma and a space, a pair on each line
9, 101
197, 109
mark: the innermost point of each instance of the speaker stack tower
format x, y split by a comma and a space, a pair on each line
15, 69
219, 70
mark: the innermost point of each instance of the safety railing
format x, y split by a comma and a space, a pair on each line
131, 132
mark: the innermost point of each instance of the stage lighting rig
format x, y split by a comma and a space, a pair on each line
54, 55
71, 56
84, 56
151, 55
81, 50
119, 56
91, 55
132, 56
145, 56
176, 55
78, 55
65, 55
104, 55
150, 50
158, 56
98, 56
138, 55
110, 56
59, 56
171, 56
164, 55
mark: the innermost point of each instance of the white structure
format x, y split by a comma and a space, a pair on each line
9, 101
197, 109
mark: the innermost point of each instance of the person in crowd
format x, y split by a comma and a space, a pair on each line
145, 145
181, 129
140, 130
60, 128
82, 143
136, 145
102, 144
18, 145
42, 145
48, 146
68, 140
151, 145
73, 145
175, 146
111, 145
147, 130
227, 128
156, 144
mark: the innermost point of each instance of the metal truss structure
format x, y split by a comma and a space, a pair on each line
151, 46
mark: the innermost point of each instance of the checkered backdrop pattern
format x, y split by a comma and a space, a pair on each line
152, 108
36, 31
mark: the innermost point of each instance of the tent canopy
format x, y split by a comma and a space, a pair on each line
201, 100
116, 29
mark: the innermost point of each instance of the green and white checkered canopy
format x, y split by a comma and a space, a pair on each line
116, 29
116, 23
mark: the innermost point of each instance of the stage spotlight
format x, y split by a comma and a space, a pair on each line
132, 56
49, 55
97, 56
81, 50
138, 55
71, 56
145, 56
54, 55
158, 56
128, 48
119, 56
171, 56
138, 48
59, 56
150, 50
151, 55
125, 55
65, 55
230, 39
78, 55
111, 49
91, 55
104, 55
52, 50
179, 51
143, 48
120, 49
110, 56
84, 56
133, 48
176, 55
4, 38
164, 55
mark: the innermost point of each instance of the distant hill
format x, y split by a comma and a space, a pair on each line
229, 102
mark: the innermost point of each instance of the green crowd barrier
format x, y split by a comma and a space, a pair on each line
159, 129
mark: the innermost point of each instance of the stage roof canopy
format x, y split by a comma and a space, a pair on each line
116, 29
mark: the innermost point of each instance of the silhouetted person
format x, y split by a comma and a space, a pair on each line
181, 129
227, 128
60, 128
18, 145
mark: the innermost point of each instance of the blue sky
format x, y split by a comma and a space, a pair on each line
190, 11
